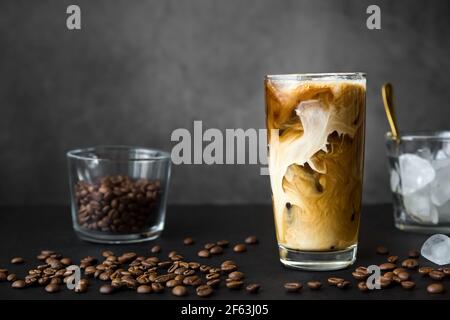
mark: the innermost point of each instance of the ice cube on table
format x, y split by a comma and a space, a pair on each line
437, 249
415, 173
419, 207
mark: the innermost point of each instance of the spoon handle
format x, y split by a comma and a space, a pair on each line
387, 93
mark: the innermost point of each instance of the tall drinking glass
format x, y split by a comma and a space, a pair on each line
316, 125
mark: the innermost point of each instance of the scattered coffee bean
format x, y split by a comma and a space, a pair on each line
387, 266
234, 284
343, 284
18, 284
396, 271
144, 289
127, 257
410, 263
435, 288
52, 287
361, 270
216, 250
209, 246
359, 275
240, 248
403, 276
173, 283
385, 282
362, 286
157, 287
414, 254
251, 240
204, 253
11, 277
252, 288
392, 259
106, 289
389, 275
425, 270
81, 288
66, 261
188, 241
408, 285
179, 291
382, 250
156, 249
17, 260
236, 275
223, 243
228, 268
446, 271
314, 285
333, 281
56, 281
293, 286
436, 275
107, 253
204, 291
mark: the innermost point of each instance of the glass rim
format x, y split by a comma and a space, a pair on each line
80, 154
430, 135
355, 76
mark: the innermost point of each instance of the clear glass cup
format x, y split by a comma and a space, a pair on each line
118, 193
316, 125
419, 167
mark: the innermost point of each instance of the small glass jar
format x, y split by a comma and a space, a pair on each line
419, 165
118, 193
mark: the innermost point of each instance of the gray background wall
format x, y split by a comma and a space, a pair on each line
140, 69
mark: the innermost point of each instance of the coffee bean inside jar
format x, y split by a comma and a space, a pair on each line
117, 204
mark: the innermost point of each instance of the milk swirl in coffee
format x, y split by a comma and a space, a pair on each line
316, 150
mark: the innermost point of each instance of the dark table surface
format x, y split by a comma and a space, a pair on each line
24, 231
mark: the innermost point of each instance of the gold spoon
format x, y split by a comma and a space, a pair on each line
386, 92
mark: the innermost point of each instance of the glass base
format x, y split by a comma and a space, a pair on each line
110, 238
317, 261
431, 229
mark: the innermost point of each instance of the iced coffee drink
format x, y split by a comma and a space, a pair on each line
315, 128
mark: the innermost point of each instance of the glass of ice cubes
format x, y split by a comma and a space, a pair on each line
419, 167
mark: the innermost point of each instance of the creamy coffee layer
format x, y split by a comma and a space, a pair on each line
316, 147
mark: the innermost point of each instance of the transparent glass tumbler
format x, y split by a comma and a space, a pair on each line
118, 193
419, 165
316, 125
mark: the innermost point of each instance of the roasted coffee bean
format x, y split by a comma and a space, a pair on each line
117, 283
11, 277
392, 259
106, 289
251, 240
180, 270
361, 270
382, 250
179, 277
80, 288
157, 287
403, 276
389, 275
343, 284
292, 286
192, 281
56, 281
436, 275
188, 241
333, 281
446, 271
204, 268
236, 275
385, 282
414, 254
179, 291
52, 288
396, 271
359, 275
104, 276
204, 253
127, 257
228, 268
66, 261
107, 253
408, 285
410, 264
435, 288
216, 250
226, 262
213, 283
89, 271
144, 289
223, 243
387, 266
240, 248
204, 291
362, 286
234, 284
173, 283
3, 270
425, 270
194, 265
41, 257
176, 257
18, 284
253, 288
208, 246
164, 264
43, 281
212, 276
17, 260
156, 249
314, 285
172, 253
